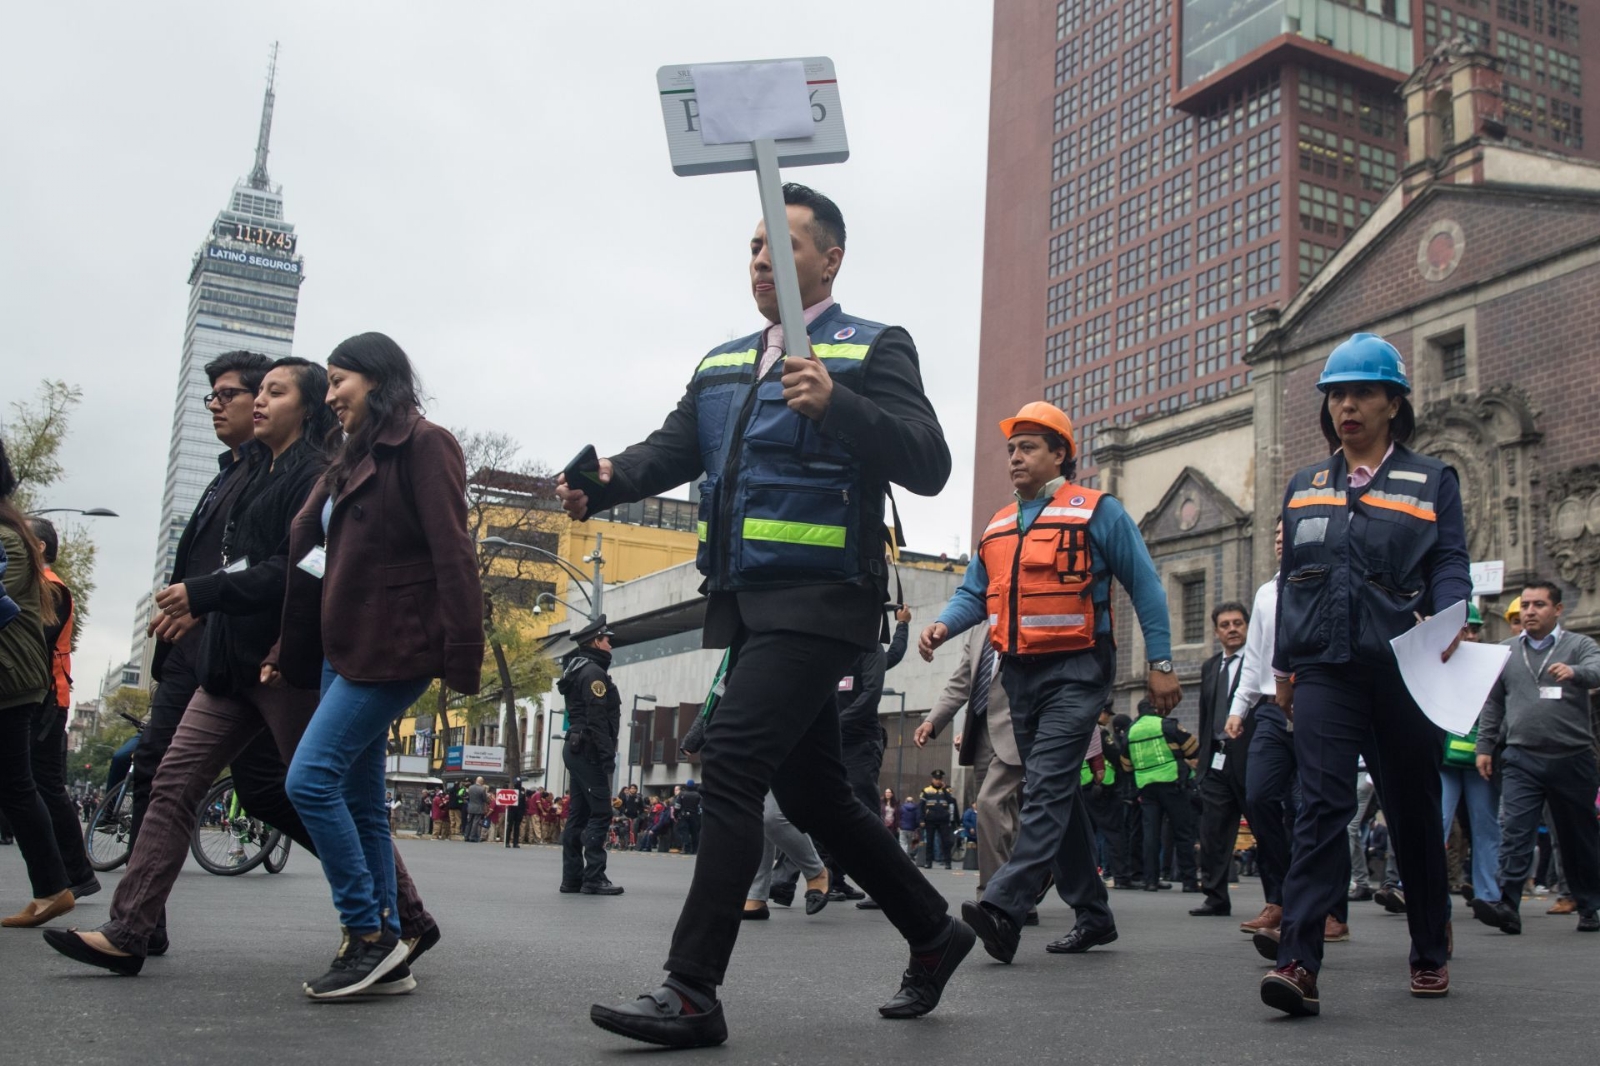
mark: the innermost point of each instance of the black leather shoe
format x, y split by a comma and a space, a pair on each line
1081, 939
1359, 895
571, 888
1031, 919
922, 985
86, 888
422, 944
868, 905
1499, 914
994, 928
1210, 910
600, 888
844, 890
782, 895
1151, 886
70, 944
755, 914
1589, 921
159, 943
1192, 886
662, 1019
816, 899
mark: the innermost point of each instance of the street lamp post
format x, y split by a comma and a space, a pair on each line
900, 752
93, 512
633, 725
595, 600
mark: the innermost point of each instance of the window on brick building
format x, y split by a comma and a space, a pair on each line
1452, 351
1192, 594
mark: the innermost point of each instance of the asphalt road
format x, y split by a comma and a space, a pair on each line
519, 965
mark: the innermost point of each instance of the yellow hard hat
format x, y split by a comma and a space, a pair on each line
1514, 611
1043, 414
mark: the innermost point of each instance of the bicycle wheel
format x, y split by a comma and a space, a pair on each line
108, 837
278, 855
226, 840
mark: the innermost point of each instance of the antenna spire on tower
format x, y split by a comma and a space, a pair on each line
258, 174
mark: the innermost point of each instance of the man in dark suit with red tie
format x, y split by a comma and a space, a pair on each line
1222, 760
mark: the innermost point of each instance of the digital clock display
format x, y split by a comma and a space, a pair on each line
260, 235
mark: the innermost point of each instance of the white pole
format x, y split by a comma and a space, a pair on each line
791, 312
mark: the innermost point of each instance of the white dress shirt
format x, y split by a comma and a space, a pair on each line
1256, 669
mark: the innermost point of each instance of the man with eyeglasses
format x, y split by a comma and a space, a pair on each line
234, 377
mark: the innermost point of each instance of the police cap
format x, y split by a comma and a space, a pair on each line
593, 631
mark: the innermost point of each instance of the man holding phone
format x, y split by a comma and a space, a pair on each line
797, 444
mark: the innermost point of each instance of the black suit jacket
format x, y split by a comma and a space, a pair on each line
1211, 720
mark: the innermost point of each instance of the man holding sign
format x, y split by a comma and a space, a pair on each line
796, 444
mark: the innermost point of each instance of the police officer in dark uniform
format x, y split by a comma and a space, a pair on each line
938, 812
1373, 539
594, 713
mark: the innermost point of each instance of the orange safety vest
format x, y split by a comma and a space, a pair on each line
1039, 581
61, 654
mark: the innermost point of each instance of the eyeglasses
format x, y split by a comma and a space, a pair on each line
224, 396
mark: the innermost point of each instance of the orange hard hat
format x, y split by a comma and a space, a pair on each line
1043, 414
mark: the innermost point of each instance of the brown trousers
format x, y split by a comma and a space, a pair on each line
211, 734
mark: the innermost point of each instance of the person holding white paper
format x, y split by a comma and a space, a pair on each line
1536, 731
1373, 540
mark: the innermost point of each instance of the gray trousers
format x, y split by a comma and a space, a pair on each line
1528, 782
999, 804
779, 834
1055, 704
1365, 794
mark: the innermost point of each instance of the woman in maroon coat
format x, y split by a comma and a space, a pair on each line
383, 598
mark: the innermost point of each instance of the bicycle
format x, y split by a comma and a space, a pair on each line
108, 838
227, 841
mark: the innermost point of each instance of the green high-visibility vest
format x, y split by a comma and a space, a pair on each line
1087, 777
1152, 758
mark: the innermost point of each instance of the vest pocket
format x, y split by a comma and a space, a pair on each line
772, 424
1303, 618
705, 554
798, 530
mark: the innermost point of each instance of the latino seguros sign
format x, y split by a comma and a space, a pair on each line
261, 262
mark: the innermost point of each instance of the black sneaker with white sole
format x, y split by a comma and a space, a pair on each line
360, 966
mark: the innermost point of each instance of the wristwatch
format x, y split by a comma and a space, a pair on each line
1161, 666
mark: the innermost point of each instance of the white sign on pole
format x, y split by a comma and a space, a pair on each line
483, 758
1488, 579
692, 147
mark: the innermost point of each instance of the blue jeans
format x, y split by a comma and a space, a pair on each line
1483, 809
336, 783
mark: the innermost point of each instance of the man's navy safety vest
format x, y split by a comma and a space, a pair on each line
783, 505
1354, 559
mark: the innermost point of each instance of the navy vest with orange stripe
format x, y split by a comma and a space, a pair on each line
1353, 575
783, 505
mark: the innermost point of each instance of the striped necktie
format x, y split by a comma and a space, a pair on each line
978, 703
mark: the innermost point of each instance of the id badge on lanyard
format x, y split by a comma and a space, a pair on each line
315, 562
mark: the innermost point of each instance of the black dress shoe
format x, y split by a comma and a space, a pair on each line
158, 944
868, 905
1151, 886
1210, 910
923, 982
1081, 939
755, 914
816, 899
994, 927
1032, 918
565, 887
1192, 886
70, 944
600, 888
662, 1018
86, 888
782, 895
1359, 895
421, 945
1499, 914
1589, 921
844, 890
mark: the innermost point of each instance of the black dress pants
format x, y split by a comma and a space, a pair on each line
1169, 799
941, 839
1108, 813
24, 807
49, 757
583, 841
777, 728
1341, 714
513, 828
1269, 782
1222, 795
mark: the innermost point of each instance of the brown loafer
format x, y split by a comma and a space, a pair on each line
1426, 983
1334, 931
1271, 917
1564, 905
36, 914
1291, 989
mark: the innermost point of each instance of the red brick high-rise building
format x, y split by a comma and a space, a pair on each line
1159, 169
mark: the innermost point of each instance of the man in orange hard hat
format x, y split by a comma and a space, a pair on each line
1041, 579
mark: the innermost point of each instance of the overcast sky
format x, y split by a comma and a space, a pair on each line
486, 183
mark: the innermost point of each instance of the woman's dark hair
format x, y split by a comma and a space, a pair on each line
1401, 429
12, 516
395, 394
49, 541
318, 426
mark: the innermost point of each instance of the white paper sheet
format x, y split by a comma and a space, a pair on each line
748, 101
1451, 694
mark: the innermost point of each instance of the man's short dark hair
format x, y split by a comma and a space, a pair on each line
45, 530
1229, 607
252, 367
827, 227
1052, 441
1549, 586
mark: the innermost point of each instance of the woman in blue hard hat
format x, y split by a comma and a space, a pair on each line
1373, 541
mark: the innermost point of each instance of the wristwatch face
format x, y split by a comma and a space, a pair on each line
1163, 666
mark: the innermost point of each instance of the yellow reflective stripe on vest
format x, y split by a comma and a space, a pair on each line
857, 352
1317, 498
1463, 745
745, 358
804, 533
700, 529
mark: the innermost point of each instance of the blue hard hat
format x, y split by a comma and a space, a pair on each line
1365, 357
